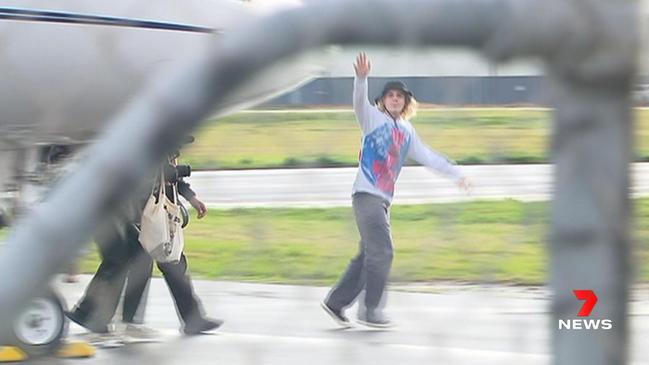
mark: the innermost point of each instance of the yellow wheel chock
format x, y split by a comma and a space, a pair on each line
12, 354
70, 350
75, 350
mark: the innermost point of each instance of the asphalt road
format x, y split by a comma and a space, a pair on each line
283, 324
416, 185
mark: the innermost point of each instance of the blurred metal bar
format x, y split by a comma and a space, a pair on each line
588, 47
592, 146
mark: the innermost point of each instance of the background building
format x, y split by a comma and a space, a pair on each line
436, 76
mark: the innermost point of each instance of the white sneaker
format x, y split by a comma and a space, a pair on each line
137, 333
375, 319
103, 340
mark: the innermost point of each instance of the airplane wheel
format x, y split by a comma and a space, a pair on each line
39, 328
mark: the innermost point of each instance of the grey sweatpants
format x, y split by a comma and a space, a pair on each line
369, 270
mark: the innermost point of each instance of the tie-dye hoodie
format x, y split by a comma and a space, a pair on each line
386, 145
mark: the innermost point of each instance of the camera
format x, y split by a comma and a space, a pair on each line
174, 173
183, 170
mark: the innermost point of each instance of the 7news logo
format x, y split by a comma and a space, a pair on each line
590, 299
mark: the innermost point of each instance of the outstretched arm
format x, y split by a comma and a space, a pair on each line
362, 106
424, 155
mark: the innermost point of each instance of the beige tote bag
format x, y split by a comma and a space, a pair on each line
161, 233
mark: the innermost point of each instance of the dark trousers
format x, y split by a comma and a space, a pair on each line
124, 262
180, 285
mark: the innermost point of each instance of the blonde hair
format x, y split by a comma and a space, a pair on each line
409, 110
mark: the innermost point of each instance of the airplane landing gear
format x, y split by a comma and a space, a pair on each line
41, 326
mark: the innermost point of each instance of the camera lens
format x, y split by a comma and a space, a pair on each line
184, 170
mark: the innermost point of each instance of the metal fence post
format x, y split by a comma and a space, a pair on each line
591, 211
591, 70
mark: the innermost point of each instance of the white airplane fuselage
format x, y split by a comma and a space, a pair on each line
68, 66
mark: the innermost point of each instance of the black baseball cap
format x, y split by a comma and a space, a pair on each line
395, 85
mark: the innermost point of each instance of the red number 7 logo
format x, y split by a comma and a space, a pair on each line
590, 300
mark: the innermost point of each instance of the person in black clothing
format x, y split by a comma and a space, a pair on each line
175, 274
124, 262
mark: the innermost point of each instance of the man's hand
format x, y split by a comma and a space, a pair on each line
362, 65
465, 184
199, 206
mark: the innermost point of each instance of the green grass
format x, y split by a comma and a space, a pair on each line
478, 242
500, 241
328, 139
309, 139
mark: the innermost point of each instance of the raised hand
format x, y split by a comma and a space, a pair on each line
362, 65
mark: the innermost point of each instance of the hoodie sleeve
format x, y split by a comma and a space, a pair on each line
184, 190
362, 108
424, 155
